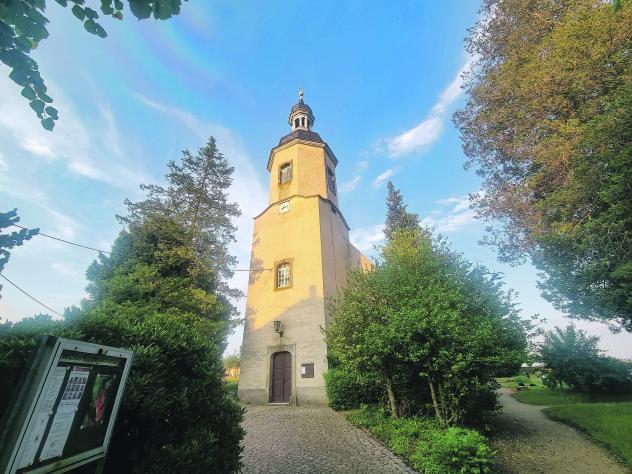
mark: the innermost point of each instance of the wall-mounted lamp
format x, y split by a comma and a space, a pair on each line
277, 328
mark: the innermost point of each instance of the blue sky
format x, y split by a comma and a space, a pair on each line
383, 82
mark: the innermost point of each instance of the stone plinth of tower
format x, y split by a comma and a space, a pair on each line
301, 254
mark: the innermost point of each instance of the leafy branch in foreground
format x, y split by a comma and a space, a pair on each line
23, 27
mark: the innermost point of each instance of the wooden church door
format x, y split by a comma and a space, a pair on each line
281, 377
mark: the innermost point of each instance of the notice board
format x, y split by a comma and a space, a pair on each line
64, 412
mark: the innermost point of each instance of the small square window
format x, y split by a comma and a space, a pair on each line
283, 275
307, 371
285, 173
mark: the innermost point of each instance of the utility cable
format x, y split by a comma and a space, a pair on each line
106, 251
32, 297
62, 240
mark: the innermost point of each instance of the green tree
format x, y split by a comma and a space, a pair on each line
574, 360
155, 295
547, 126
23, 27
232, 361
196, 197
11, 239
396, 215
427, 310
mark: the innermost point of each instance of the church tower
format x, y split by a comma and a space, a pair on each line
300, 253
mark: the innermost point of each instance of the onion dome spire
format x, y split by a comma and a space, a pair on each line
301, 116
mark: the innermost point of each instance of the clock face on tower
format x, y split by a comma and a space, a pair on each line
284, 207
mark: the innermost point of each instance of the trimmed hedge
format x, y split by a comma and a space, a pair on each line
348, 389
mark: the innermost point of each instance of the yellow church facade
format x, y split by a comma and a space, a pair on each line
300, 256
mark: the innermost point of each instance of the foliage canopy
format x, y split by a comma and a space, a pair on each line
23, 27
547, 125
158, 293
9, 240
397, 217
428, 316
196, 196
575, 361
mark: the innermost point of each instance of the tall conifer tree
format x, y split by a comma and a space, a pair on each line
196, 197
397, 218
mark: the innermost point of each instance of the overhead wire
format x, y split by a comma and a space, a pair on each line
107, 251
63, 240
96, 250
30, 296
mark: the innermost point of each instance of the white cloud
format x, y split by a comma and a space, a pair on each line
429, 130
3, 163
61, 225
350, 185
383, 177
37, 147
424, 134
365, 238
64, 268
87, 145
458, 216
362, 165
460, 203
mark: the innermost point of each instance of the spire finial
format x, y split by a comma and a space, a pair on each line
300, 94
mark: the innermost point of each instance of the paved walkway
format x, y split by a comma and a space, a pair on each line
528, 442
297, 440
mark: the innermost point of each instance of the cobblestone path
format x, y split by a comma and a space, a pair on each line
528, 442
297, 440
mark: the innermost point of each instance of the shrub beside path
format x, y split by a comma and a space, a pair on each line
528, 442
299, 440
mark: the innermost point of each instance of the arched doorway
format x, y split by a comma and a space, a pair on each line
281, 383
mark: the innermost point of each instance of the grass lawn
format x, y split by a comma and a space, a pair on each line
608, 423
550, 397
607, 419
232, 383
512, 382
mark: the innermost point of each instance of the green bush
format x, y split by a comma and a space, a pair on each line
425, 445
347, 389
453, 450
522, 380
575, 361
155, 297
18, 342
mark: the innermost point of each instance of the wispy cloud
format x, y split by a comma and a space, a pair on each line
457, 215
37, 148
60, 224
452, 215
352, 184
348, 186
365, 238
377, 182
87, 145
64, 268
428, 131
3, 163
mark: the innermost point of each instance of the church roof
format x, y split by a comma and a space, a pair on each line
305, 136
300, 134
301, 106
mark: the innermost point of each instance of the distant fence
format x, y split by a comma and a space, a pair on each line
232, 372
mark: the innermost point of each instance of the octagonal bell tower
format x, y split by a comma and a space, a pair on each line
300, 257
